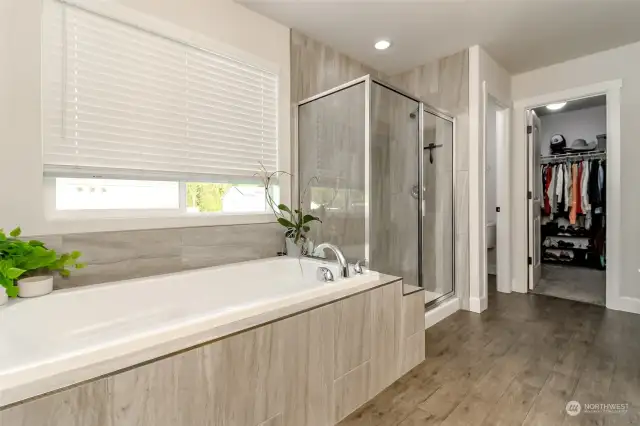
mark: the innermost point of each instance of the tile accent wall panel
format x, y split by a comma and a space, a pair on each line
412, 344
412, 314
117, 271
351, 391
385, 336
308, 371
244, 375
352, 333
113, 256
111, 247
413, 353
219, 245
162, 393
274, 421
84, 405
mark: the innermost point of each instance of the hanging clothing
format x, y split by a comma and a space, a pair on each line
551, 191
602, 184
579, 190
594, 189
584, 184
567, 187
560, 187
545, 189
573, 214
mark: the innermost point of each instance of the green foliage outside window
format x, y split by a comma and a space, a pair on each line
207, 197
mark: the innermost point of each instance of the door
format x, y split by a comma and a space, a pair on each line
535, 199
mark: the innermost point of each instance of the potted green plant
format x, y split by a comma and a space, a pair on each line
296, 222
27, 267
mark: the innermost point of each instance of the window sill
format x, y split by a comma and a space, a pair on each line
73, 224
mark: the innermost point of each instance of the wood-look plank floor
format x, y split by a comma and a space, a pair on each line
518, 363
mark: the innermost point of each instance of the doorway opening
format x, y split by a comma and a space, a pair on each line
567, 200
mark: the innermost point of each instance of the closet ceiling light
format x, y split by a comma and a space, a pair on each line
555, 107
382, 44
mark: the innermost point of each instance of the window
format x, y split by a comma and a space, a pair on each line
135, 120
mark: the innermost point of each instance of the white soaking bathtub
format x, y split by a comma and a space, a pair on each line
76, 335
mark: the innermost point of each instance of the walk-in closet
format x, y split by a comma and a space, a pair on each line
568, 214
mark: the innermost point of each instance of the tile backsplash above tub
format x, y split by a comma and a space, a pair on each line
112, 256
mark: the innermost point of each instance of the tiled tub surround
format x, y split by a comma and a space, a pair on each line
310, 362
112, 256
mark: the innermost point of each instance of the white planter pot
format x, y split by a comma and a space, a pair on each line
35, 286
3, 296
293, 250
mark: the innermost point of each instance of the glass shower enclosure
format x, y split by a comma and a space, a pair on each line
376, 165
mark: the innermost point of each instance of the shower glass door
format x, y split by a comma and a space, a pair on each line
438, 209
394, 184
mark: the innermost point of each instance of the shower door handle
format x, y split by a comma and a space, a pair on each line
415, 192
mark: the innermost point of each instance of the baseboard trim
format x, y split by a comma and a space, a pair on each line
478, 304
625, 304
440, 312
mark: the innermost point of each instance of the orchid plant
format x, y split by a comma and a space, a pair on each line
296, 222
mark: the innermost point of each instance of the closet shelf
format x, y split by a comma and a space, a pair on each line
560, 237
567, 248
598, 155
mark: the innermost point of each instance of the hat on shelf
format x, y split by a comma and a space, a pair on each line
558, 144
581, 145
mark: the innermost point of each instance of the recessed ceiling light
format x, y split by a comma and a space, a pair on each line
382, 44
557, 106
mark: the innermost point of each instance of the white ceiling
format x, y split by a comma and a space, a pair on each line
574, 105
520, 34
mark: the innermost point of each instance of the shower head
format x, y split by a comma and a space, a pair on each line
414, 114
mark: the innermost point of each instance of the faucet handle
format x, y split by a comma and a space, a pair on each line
324, 274
358, 268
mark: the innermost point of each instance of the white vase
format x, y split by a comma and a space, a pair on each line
35, 286
293, 249
3, 296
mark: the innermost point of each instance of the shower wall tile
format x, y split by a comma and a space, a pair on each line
443, 83
394, 241
316, 67
113, 256
331, 141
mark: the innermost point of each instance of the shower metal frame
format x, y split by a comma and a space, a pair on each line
424, 108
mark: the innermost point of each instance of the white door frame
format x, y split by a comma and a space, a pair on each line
503, 240
612, 91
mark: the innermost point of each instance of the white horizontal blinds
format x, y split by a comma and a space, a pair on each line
134, 103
